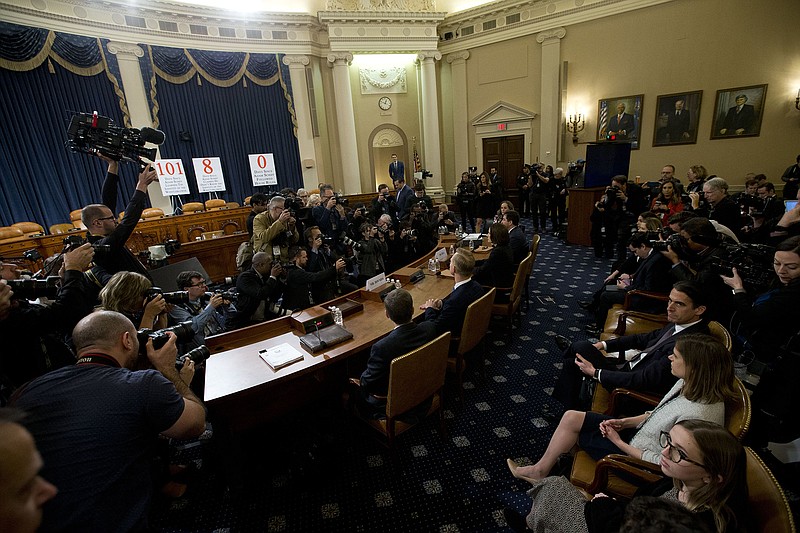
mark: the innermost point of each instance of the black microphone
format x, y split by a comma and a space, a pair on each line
322, 343
153, 135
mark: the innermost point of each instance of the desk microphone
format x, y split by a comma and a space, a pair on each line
322, 343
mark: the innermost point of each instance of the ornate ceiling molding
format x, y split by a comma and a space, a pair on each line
382, 80
381, 5
381, 31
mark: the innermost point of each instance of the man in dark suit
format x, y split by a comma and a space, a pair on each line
448, 314
405, 337
740, 118
622, 125
257, 288
649, 370
397, 170
519, 244
402, 196
678, 124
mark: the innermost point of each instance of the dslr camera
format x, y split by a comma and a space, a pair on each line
73, 241
177, 297
30, 289
183, 332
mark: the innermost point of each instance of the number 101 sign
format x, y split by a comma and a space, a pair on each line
262, 169
171, 177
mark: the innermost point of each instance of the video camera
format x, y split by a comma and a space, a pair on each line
30, 289
297, 209
183, 332
677, 242
96, 133
177, 297
753, 263
428, 174
350, 242
611, 195
341, 200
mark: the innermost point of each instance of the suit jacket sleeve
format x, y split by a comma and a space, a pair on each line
109, 193
133, 213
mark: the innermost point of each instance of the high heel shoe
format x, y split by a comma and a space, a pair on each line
514, 467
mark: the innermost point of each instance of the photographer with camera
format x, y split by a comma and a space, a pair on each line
96, 424
423, 225
301, 284
274, 230
668, 202
131, 294
372, 253
558, 199
524, 183
384, 204
258, 204
322, 257
207, 318
103, 228
446, 218
330, 215
259, 289
34, 335
355, 218
465, 198
539, 195
720, 206
616, 211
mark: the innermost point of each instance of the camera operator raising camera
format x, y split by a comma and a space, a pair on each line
274, 230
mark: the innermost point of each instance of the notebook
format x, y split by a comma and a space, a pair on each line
325, 338
280, 356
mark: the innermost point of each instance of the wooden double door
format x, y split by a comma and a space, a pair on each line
507, 155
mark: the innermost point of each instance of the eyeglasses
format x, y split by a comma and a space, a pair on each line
676, 455
112, 217
201, 283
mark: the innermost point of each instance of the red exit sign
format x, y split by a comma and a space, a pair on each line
502, 127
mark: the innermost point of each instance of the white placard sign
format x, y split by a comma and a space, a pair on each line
441, 255
208, 173
376, 282
262, 169
171, 177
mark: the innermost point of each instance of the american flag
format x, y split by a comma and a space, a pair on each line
417, 163
603, 118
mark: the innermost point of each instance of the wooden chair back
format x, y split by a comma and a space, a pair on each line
215, 203
247, 201
58, 229
476, 322
535, 246
718, 330
75, 218
738, 412
231, 205
28, 228
229, 227
768, 507
152, 212
8, 233
192, 207
416, 376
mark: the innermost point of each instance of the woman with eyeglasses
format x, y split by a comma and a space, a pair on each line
126, 293
704, 369
705, 468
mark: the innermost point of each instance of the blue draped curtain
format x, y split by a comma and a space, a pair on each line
230, 104
45, 78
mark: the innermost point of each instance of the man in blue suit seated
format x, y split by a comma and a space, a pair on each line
448, 314
405, 337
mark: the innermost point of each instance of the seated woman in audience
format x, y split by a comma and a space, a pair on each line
766, 321
704, 369
498, 269
505, 207
313, 200
706, 473
697, 175
126, 293
668, 202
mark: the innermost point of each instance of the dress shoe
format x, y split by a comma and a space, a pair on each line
593, 331
587, 304
562, 342
514, 467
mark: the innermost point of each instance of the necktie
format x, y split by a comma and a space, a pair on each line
661, 340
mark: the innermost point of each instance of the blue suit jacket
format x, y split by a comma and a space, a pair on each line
454, 308
519, 244
403, 339
402, 198
399, 172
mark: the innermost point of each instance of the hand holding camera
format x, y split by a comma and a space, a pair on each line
276, 271
216, 300
79, 258
340, 264
163, 358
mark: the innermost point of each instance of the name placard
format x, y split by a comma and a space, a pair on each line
262, 169
376, 282
208, 173
171, 177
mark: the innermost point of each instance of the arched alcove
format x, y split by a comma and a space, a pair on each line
385, 140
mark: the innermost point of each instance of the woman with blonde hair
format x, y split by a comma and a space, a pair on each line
126, 293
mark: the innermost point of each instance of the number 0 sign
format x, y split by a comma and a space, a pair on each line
171, 177
262, 169
208, 173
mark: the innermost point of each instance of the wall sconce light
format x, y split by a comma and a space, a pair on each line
575, 124
797, 100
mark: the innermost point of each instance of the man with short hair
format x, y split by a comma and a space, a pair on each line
397, 169
258, 289
465, 197
207, 319
302, 195
448, 314
258, 204
720, 206
23, 492
329, 215
402, 197
617, 210
517, 240
649, 369
405, 337
300, 283
678, 128
740, 118
101, 222
791, 177
274, 230
384, 204
558, 199
622, 125
97, 423
773, 207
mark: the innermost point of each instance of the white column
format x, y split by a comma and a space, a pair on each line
128, 55
551, 119
302, 110
431, 152
458, 69
345, 116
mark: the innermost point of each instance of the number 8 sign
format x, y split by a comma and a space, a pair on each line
208, 173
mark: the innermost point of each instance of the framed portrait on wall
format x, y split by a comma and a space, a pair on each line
738, 112
619, 119
676, 118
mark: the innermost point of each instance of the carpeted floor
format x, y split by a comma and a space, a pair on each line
322, 471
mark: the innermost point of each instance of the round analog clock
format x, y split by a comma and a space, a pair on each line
385, 103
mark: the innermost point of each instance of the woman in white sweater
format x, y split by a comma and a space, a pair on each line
705, 371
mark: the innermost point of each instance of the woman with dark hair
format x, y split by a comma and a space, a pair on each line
498, 269
484, 210
126, 293
704, 369
668, 202
766, 321
505, 207
706, 474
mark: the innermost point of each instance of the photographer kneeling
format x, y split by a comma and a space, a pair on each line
207, 318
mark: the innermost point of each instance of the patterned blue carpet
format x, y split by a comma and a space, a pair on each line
323, 471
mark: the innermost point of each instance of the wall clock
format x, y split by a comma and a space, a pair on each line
385, 103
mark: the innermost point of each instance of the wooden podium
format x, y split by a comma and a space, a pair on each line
581, 204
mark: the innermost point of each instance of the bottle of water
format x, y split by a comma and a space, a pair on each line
337, 316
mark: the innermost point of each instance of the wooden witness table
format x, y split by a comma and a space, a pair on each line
242, 391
